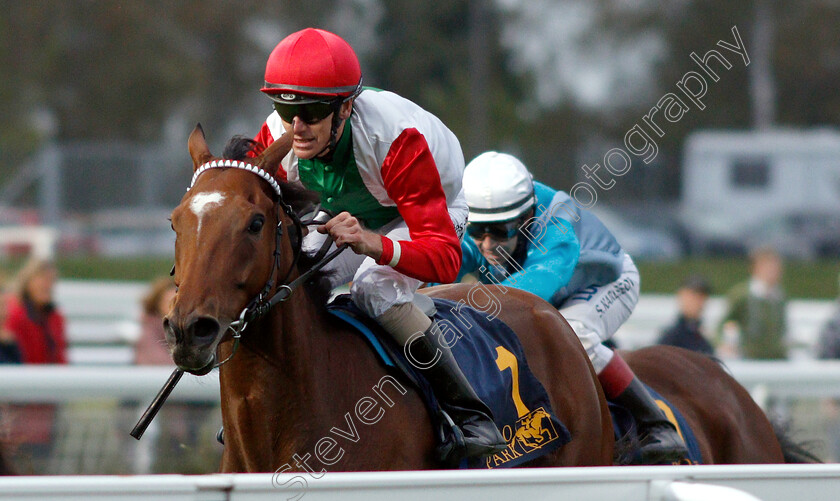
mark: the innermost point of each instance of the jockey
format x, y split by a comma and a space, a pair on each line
392, 173
529, 236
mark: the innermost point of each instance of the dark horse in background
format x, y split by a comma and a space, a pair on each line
293, 389
5, 465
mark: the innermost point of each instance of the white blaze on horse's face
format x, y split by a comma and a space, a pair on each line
201, 203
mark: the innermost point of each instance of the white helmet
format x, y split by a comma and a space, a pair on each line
498, 187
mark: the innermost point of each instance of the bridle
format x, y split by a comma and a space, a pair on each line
261, 304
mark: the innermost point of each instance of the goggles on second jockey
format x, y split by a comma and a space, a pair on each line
498, 231
309, 113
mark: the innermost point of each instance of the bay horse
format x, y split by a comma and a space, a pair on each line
301, 384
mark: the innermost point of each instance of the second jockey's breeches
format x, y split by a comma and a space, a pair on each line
376, 287
595, 313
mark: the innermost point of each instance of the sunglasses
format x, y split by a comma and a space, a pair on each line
309, 113
498, 231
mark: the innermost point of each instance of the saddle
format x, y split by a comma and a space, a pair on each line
493, 360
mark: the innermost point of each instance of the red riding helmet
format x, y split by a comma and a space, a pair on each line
312, 65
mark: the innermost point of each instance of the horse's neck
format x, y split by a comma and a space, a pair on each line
285, 345
271, 385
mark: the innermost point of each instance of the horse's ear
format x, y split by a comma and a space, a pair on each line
199, 151
269, 160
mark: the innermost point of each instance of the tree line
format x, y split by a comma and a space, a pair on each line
493, 70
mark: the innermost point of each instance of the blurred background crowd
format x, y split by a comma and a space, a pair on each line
735, 224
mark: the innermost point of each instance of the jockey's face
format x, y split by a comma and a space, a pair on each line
490, 237
311, 140
489, 247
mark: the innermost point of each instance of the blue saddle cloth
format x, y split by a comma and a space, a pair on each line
625, 426
493, 360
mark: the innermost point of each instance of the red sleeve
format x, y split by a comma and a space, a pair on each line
412, 181
264, 139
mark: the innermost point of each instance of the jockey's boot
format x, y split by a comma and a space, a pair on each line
455, 394
660, 441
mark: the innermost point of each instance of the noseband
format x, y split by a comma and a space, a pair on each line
261, 304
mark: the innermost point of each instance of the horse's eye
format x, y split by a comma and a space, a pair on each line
256, 224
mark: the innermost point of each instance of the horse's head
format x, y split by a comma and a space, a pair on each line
226, 233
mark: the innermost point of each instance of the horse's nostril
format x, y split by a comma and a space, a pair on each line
173, 334
204, 329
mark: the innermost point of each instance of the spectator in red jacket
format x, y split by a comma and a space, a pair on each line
33, 319
9, 352
38, 329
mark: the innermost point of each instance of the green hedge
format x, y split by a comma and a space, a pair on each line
815, 279
802, 279
100, 268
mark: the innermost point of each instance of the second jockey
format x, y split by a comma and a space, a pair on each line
392, 173
527, 235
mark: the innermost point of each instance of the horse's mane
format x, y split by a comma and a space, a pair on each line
301, 200
294, 194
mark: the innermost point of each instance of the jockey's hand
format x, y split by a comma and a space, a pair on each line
346, 229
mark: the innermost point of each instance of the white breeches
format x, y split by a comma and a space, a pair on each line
595, 313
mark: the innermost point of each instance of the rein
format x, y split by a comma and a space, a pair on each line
261, 304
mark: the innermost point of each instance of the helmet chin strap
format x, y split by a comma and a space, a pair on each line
329, 149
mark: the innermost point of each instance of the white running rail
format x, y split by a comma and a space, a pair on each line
797, 379
661, 483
